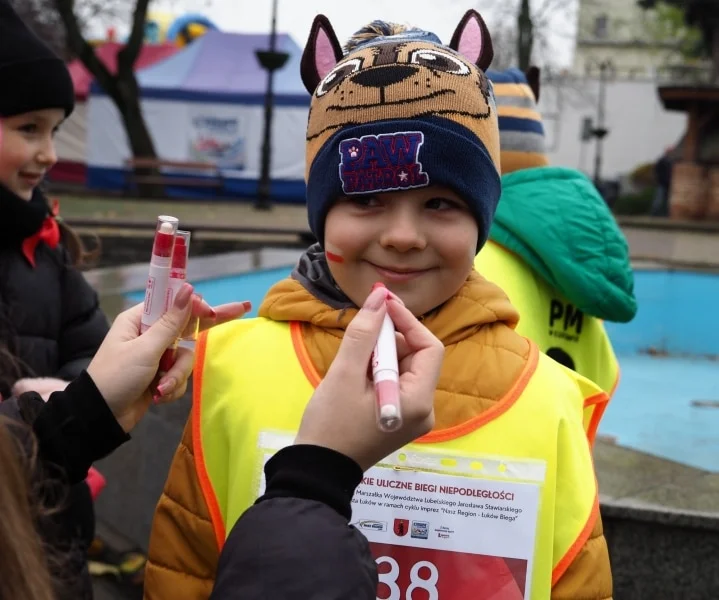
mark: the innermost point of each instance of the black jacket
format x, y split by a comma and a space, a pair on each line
73, 429
51, 317
295, 543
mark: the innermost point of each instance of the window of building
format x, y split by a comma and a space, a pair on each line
601, 25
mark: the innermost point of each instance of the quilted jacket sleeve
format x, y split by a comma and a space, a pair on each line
183, 554
589, 577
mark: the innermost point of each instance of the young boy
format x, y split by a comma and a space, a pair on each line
554, 246
402, 183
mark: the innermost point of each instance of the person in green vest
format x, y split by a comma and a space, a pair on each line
402, 171
554, 246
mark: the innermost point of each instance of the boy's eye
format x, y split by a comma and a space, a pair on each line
440, 204
366, 201
29, 128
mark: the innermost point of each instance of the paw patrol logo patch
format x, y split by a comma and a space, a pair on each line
382, 163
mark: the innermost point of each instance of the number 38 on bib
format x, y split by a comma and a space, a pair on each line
441, 536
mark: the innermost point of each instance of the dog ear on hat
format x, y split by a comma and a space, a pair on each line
532, 74
471, 39
322, 52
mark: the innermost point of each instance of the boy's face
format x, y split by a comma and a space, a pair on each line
27, 151
420, 243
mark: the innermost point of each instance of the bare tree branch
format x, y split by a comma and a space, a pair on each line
121, 87
546, 25
80, 46
128, 55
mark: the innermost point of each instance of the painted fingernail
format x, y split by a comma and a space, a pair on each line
377, 285
165, 387
376, 298
183, 296
247, 305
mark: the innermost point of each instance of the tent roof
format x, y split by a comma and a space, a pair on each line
222, 67
107, 53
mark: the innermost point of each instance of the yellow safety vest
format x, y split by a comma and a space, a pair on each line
561, 330
255, 375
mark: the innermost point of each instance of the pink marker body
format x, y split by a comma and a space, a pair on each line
385, 373
178, 276
159, 277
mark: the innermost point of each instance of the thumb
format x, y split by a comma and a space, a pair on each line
170, 325
361, 335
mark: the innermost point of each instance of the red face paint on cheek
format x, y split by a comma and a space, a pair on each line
333, 254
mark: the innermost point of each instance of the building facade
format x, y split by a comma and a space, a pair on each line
622, 34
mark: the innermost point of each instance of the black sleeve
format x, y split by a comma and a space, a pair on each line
74, 428
296, 542
84, 325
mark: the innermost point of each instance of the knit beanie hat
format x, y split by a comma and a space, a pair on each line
399, 112
32, 77
521, 132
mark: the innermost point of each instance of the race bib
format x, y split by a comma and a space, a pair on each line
436, 535
447, 526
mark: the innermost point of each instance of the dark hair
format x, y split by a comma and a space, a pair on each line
81, 257
24, 569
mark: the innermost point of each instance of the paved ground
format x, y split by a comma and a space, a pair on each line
107, 590
289, 216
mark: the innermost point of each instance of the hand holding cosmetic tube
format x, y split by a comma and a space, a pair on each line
342, 413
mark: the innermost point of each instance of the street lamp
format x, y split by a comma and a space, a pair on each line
600, 131
271, 60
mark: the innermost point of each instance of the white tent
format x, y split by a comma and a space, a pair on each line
71, 139
205, 104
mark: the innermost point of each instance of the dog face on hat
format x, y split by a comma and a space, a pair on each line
396, 77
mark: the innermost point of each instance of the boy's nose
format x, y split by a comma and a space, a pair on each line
403, 237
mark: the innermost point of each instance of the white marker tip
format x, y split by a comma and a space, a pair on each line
388, 411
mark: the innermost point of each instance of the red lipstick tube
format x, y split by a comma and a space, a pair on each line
158, 280
178, 276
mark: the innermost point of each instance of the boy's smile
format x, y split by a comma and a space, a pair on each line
400, 274
420, 243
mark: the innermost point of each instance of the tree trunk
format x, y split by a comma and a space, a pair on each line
122, 87
127, 99
525, 36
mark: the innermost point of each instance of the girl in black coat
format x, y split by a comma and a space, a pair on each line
50, 318
75, 427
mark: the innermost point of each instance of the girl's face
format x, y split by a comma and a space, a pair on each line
27, 150
420, 243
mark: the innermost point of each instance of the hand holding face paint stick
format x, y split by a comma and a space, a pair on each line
168, 274
341, 415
